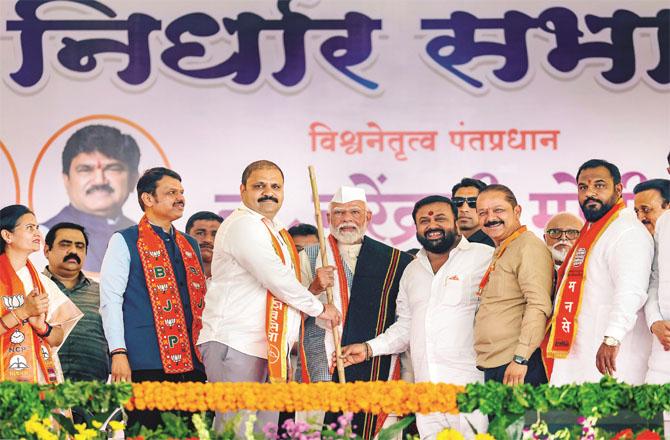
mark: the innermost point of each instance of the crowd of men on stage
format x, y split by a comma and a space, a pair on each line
243, 299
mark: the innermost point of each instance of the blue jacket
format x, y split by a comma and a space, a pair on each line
138, 319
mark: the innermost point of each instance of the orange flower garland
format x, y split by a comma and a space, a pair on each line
394, 397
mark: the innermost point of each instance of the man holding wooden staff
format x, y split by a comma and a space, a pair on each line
365, 290
252, 310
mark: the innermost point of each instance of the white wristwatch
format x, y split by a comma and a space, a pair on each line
611, 342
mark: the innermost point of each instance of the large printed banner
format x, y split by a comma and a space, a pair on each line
402, 98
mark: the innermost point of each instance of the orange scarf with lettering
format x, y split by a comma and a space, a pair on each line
276, 316
173, 339
22, 351
570, 288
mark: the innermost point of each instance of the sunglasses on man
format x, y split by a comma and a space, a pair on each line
570, 234
471, 201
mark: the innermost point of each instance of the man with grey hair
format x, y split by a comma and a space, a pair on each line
367, 278
560, 234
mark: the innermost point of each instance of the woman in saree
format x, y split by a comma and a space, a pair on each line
35, 316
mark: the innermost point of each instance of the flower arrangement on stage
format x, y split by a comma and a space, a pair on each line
605, 398
587, 431
47, 429
35, 411
390, 397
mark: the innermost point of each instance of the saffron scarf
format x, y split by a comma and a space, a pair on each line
341, 280
22, 351
276, 315
173, 338
500, 251
570, 288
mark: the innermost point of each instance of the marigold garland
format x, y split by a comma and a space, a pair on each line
395, 397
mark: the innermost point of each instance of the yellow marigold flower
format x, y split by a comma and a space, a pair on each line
96, 424
449, 434
115, 425
45, 434
390, 397
86, 434
33, 424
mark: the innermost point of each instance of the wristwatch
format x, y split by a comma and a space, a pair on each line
520, 360
611, 342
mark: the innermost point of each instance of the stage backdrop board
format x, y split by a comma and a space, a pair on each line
402, 98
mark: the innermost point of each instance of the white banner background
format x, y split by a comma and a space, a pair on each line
210, 129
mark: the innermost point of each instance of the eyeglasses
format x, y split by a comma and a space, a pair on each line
471, 201
570, 234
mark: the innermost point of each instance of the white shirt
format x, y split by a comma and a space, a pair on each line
615, 290
658, 303
436, 313
244, 267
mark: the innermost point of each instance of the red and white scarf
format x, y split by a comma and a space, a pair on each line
570, 288
22, 351
166, 304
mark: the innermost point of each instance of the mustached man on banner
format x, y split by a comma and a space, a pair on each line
368, 276
252, 316
100, 169
598, 327
435, 310
657, 309
152, 292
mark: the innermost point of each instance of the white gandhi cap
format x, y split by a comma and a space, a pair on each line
346, 194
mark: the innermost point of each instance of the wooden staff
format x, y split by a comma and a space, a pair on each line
324, 263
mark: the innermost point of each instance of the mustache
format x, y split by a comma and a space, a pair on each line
266, 198
104, 187
428, 231
347, 225
178, 204
206, 244
592, 199
73, 256
493, 223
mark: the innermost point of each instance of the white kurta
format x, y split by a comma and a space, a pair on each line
435, 319
615, 290
244, 266
658, 304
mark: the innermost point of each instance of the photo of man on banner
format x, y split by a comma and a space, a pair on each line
100, 170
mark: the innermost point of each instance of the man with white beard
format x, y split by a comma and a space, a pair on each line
367, 278
560, 234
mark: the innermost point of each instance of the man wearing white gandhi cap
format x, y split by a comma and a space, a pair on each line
366, 284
